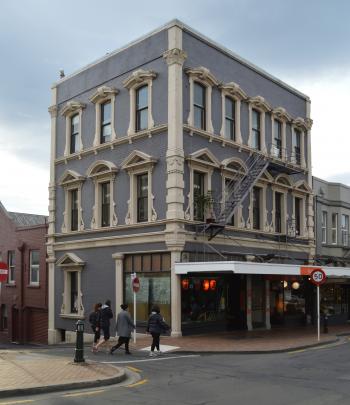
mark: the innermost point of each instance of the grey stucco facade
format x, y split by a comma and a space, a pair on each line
170, 150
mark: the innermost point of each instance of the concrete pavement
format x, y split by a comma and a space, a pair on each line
32, 371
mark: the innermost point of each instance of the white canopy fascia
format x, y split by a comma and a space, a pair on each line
257, 268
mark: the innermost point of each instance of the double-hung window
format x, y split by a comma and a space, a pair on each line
277, 142
11, 266
298, 210
324, 226
229, 186
199, 106
297, 146
198, 192
334, 229
256, 207
74, 209
141, 108
73, 275
34, 267
105, 203
74, 133
345, 229
278, 212
256, 143
106, 127
230, 118
142, 197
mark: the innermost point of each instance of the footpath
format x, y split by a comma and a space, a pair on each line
26, 371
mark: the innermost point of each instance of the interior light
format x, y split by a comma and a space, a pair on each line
212, 284
185, 283
285, 284
295, 285
206, 285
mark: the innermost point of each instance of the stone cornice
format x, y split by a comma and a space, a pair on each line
138, 77
202, 74
102, 93
175, 55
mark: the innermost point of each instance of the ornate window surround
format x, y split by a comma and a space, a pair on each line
204, 77
103, 171
102, 95
71, 180
70, 263
206, 166
233, 91
230, 173
282, 184
302, 126
137, 163
301, 190
280, 114
260, 104
136, 80
68, 111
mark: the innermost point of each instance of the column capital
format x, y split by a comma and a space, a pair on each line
118, 256
175, 56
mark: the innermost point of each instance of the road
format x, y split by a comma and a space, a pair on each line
313, 376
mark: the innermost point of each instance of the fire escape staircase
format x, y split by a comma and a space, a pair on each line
235, 192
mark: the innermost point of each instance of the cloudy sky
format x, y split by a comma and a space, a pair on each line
305, 43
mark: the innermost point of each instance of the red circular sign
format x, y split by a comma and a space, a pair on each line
318, 276
4, 271
136, 284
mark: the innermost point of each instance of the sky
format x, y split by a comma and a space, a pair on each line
305, 43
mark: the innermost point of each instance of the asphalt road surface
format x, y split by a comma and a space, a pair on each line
312, 376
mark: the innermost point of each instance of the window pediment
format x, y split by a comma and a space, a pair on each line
138, 159
281, 114
235, 165
203, 75
101, 167
103, 93
260, 103
138, 77
300, 124
266, 176
302, 186
72, 107
234, 90
284, 180
71, 177
204, 156
70, 260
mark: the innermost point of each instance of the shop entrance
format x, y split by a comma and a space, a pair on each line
212, 302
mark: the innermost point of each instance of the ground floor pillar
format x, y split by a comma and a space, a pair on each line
119, 293
249, 303
53, 334
175, 296
267, 305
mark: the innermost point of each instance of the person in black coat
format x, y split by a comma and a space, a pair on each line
156, 325
106, 316
95, 322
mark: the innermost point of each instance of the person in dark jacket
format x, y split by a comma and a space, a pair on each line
95, 322
156, 325
106, 316
125, 326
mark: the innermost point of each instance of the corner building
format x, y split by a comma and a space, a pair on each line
174, 149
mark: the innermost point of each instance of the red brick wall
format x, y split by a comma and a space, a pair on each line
22, 296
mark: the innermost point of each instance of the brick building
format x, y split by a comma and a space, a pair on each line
23, 298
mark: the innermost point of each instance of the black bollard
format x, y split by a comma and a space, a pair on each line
79, 346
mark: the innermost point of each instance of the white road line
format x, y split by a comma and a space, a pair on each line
152, 359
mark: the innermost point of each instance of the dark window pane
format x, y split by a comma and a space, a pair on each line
74, 134
105, 206
297, 216
142, 119
142, 197
198, 189
256, 129
199, 106
74, 210
142, 97
73, 292
106, 128
199, 95
229, 108
256, 208
278, 212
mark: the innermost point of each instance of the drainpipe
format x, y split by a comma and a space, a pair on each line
21, 326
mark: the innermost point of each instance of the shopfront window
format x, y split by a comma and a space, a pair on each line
203, 299
334, 299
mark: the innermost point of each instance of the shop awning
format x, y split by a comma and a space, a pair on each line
257, 268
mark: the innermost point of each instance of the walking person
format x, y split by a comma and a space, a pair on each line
95, 322
125, 326
106, 316
156, 325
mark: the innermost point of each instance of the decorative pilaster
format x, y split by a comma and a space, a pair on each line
119, 258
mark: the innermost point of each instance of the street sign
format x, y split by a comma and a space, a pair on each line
318, 276
4, 271
136, 284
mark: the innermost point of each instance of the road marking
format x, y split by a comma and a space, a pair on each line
152, 359
136, 384
25, 401
81, 393
134, 369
